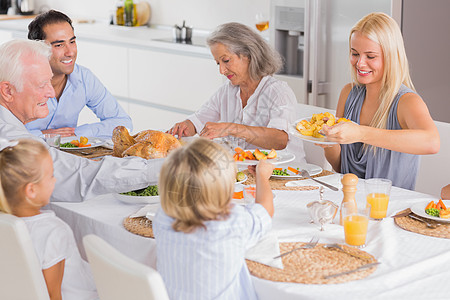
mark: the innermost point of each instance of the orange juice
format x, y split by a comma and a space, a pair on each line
379, 203
355, 229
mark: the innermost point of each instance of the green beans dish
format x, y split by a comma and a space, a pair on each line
151, 190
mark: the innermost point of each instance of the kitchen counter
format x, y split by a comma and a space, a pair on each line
155, 37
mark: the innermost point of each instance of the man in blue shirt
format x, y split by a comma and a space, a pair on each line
75, 86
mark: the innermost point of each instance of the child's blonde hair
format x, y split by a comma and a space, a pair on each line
18, 167
196, 184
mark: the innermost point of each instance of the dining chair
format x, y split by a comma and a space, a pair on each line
20, 272
433, 170
120, 277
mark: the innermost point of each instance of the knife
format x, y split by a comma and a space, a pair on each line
403, 214
352, 271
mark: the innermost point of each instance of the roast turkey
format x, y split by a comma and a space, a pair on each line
147, 144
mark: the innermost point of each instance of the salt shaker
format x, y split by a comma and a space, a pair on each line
349, 182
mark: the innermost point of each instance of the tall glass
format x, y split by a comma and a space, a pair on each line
53, 140
377, 194
356, 222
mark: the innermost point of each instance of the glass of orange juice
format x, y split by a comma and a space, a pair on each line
377, 195
356, 222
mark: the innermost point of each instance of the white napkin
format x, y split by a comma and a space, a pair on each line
148, 211
265, 251
334, 180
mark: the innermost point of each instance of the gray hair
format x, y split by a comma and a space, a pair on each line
242, 40
11, 65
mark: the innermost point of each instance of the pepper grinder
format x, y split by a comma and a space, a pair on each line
349, 182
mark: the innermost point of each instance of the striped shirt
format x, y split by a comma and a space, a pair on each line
209, 263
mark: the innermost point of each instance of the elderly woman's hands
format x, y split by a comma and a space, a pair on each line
185, 128
343, 133
215, 130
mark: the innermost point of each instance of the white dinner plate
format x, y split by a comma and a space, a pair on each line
138, 199
282, 157
295, 132
419, 209
94, 141
312, 170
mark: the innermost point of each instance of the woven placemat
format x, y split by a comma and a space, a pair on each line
279, 184
309, 266
442, 231
89, 152
140, 226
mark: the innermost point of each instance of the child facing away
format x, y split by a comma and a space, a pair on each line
201, 237
26, 184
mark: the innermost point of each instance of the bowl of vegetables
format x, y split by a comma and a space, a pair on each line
148, 195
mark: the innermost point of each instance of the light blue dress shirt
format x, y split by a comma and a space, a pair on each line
83, 89
209, 263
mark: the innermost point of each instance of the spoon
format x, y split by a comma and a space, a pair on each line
338, 247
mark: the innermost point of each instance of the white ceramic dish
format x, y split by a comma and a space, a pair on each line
282, 157
94, 141
312, 170
242, 181
294, 131
138, 199
419, 209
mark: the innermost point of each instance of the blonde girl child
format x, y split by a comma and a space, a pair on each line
26, 184
392, 125
201, 237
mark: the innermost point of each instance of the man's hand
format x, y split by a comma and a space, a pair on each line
63, 132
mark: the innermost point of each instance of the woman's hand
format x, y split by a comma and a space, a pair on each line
215, 130
185, 128
343, 133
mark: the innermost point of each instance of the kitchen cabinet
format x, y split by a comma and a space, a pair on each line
108, 63
178, 81
147, 117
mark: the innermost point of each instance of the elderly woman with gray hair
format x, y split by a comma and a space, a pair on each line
252, 105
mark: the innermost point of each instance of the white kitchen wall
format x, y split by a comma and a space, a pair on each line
201, 14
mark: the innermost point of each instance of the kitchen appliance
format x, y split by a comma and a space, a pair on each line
25, 7
312, 37
4, 5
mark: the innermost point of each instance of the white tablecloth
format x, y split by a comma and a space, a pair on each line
413, 266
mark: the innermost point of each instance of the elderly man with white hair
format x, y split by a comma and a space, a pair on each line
25, 87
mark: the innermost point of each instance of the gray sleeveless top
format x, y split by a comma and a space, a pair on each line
400, 168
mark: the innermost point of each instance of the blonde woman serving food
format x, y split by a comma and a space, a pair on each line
392, 124
253, 104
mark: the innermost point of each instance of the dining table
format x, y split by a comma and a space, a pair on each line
412, 265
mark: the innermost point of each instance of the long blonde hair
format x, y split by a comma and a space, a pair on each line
18, 167
383, 30
196, 184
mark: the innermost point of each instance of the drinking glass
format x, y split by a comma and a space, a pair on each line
356, 222
377, 195
52, 139
261, 21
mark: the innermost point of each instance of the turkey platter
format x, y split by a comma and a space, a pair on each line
147, 144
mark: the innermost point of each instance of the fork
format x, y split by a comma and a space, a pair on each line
311, 244
306, 174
